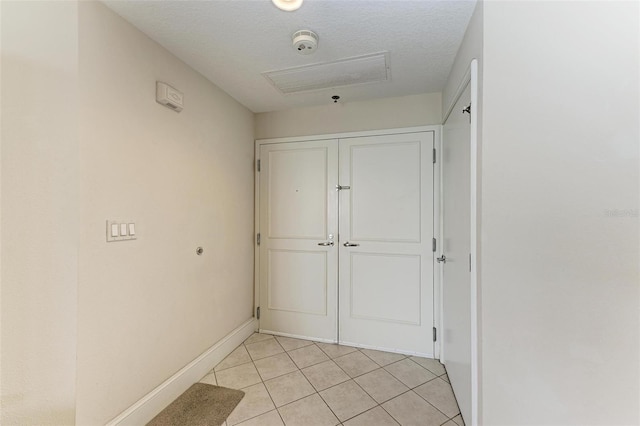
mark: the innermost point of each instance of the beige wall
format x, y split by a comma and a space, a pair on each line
387, 113
148, 307
39, 212
560, 278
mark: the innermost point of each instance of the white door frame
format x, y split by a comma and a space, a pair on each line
471, 77
437, 138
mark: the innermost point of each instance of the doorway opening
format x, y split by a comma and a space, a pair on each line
346, 235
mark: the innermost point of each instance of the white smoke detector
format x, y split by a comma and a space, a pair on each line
305, 42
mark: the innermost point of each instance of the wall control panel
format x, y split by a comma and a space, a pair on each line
120, 230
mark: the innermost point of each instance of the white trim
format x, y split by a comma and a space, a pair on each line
465, 82
256, 229
155, 401
347, 135
437, 234
475, 352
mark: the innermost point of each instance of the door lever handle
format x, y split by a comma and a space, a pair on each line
348, 244
441, 259
328, 243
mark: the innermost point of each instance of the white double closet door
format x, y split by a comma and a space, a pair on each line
346, 230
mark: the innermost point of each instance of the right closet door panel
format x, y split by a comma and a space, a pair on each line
386, 230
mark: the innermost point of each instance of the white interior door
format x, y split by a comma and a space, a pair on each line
386, 231
456, 247
298, 229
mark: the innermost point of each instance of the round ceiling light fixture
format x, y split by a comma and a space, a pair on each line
287, 5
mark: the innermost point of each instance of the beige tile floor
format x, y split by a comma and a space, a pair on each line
302, 383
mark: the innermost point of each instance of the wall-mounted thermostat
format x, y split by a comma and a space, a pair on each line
169, 97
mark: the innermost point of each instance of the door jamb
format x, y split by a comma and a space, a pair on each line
475, 308
437, 234
256, 229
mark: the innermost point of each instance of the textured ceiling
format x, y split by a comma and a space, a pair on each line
232, 42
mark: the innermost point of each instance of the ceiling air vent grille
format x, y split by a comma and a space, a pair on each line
345, 72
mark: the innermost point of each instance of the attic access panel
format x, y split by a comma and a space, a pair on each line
345, 72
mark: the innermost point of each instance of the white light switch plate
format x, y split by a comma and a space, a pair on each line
119, 225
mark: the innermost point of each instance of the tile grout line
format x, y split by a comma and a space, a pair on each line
373, 408
329, 407
310, 365
410, 389
387, 411
267, 389
357, 384
317, 392
430, 380
261, 382
369, 395
425, 400
299, 370
432, 372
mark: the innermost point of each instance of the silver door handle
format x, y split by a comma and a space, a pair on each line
328, 243
441, 259
348, 244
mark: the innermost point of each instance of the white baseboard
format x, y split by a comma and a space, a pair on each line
155, 401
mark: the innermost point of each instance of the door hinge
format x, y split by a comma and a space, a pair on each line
434, 156
258, 312
258, 238
469, 262
435, 334
258, 165
433, 245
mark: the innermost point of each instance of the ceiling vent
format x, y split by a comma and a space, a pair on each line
345, 72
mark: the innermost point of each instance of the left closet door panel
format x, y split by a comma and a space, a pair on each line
298, 247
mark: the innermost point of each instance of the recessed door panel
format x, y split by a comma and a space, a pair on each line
385, 287
298, 281
298, 193
386, 206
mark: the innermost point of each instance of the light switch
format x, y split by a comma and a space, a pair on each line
120, 231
